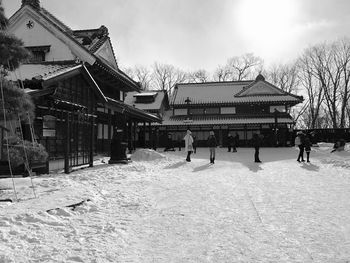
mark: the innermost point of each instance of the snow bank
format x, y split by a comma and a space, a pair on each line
146, 155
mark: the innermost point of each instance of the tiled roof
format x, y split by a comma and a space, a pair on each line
220, 120
43, 71
224, 93
92, 39
133, 111
156, 105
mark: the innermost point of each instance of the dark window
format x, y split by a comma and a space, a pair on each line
37, 56
38, 53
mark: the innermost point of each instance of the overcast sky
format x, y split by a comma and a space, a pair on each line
201, 34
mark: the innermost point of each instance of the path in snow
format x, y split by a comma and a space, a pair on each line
168, 210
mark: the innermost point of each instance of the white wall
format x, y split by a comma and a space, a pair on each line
40, 36
180, 111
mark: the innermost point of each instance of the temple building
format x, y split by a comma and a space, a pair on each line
238, 107
77, 86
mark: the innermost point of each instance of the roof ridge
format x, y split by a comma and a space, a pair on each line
217, 82
47, 13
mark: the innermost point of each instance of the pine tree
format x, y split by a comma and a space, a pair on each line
12, 52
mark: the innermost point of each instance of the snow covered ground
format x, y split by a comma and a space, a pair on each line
160, 208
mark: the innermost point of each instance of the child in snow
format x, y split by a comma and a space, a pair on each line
212, 143
188, 145
339, 145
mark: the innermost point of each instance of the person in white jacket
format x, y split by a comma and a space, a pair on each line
188, 145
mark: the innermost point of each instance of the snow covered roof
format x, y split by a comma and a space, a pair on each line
43, 71
122, 107
170, 120
130, 99
143, 94
234, 92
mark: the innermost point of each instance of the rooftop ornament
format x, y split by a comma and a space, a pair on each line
260, 78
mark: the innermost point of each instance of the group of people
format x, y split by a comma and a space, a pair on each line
190, 145
304, 144
212, 144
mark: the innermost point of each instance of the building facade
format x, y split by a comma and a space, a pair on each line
76, 84
239, 107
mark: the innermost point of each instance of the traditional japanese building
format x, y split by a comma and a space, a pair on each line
152, 101
76, 84
237, 107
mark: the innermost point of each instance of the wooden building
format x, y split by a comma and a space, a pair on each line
155, 102
76, 84
237, 107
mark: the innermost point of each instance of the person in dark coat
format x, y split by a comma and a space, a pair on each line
230, 142
194, 144
256, 142
212, 144
299, 141
307, 146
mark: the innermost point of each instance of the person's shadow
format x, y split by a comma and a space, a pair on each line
202, 167
254, 167
310, 167
175, 165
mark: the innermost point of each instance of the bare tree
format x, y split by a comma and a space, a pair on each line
313, 87
238, 68
198, 76
222, 73
166, 76
244, 67
284, 77
343, 60
141, 74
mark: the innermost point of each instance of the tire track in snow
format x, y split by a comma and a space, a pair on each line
268, 201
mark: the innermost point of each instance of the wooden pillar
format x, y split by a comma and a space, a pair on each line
109, 129
149, 135
67, 145
130, 136
144, 134
92, 142
135, 134
245, 135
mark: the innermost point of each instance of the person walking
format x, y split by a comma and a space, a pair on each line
188, 145
212, 143
230, 142
307, 145
299, 141
256, 142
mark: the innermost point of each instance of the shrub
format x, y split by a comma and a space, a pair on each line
18, 150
